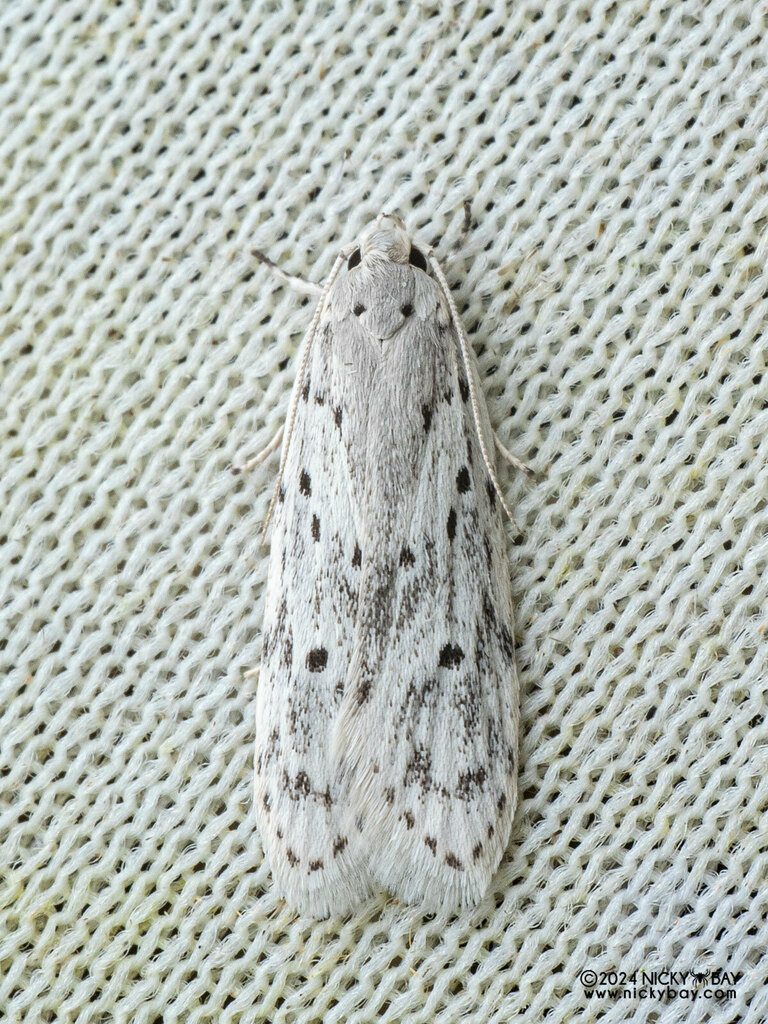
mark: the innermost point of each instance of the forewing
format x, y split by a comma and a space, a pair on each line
428, 725
314, 848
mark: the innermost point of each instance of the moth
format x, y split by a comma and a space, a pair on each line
387, 701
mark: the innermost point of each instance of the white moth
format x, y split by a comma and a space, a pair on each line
387, 706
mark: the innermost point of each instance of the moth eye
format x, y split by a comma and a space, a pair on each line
353, 260
417, 258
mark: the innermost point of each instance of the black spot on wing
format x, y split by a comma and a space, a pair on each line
407, 558
451, 656
291, 857
407, 309
431, 842
409, 820
358, 309
305, 483
491, 491
337, 415
426, 413
463, 481
305, 390
357, 557
453, 862
451, 524
315, 528
317, 659
315, 865
464, 389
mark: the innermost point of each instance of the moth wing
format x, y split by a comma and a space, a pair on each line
314, 849
429, 722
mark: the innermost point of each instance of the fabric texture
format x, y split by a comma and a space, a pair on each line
613, 284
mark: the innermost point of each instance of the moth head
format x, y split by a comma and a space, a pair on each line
387, 239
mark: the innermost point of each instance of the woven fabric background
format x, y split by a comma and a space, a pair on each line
614, 286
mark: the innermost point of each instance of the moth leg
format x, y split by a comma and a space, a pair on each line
261, 456
297, 283
512, 459
252, 672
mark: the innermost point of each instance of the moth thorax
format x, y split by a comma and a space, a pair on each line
388, 240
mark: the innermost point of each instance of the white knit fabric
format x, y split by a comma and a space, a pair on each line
614, 286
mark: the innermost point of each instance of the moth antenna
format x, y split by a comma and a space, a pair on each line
464, 345
309, 337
